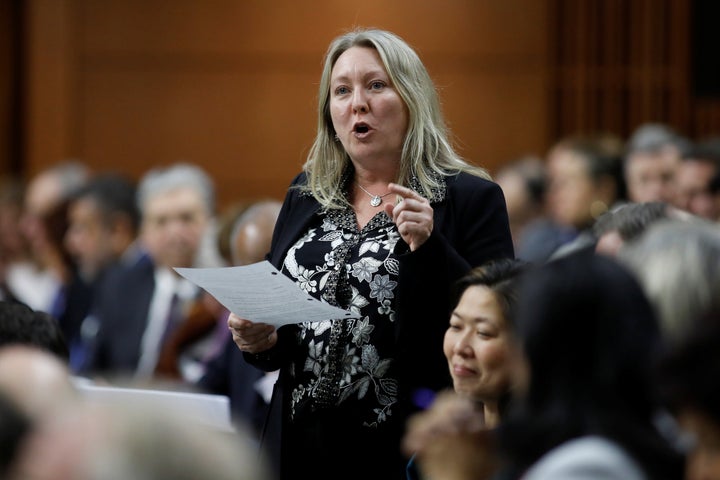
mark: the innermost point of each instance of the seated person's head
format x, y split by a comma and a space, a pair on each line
177, 205
627, 222
113, 441
478, 341
19, 324
39, 382
688, 378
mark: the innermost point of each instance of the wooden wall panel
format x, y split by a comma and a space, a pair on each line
615, 64
9, 51
231, 84
51, 88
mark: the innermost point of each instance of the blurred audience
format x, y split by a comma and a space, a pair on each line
44, 222
586, 405
585, 182
688, 377
677, 263
589, 340
19, 324
140, 306
627, 222
695, 173
524, 184
14, 428
15, 254
103, 221
38, 381
652, 155
92, 441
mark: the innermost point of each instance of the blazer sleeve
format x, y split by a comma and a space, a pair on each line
287, 222
471, 227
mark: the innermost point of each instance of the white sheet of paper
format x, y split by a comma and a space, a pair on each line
260, 293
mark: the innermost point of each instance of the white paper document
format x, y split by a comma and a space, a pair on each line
260, 293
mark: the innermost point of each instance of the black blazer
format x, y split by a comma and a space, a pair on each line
470, 227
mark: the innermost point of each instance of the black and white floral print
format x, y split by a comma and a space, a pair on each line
347, 363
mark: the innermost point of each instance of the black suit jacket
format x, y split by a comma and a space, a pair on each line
470, 227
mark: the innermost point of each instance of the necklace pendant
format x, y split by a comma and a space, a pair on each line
376, 200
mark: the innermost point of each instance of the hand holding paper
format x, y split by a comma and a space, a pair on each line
260, 293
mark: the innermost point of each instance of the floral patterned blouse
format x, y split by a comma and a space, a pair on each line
347, 363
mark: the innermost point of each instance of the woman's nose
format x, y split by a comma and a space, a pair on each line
360, 101
462, 345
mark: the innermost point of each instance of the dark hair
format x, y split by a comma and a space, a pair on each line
14, 426
20, 324
502, 277
114, 194
602, 156
590, 338
688, 372
499, 276
707, 150
631, 220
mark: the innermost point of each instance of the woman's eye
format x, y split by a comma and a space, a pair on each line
341, 90
378, 85
484, 334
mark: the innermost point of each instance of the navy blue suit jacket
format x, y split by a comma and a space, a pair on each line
121, 309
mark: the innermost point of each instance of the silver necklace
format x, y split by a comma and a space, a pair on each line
375, 200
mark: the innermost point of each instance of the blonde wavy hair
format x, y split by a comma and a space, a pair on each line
427, 153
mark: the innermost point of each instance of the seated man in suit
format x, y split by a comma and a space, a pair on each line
103, 221
227, 373
139, 306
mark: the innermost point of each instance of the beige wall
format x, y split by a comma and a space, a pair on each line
231, 85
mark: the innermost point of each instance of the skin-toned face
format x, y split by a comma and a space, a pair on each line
693, 178
478, 346
173, 226
650, 177
43, 194
369, 116
571, 191
703, 461
88, 239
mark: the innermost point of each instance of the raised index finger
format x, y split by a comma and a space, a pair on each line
404, 192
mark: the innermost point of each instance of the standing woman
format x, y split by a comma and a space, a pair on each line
383, 219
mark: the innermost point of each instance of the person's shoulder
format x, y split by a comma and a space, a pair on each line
463, 182
299, 179
128, 271
589, 457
